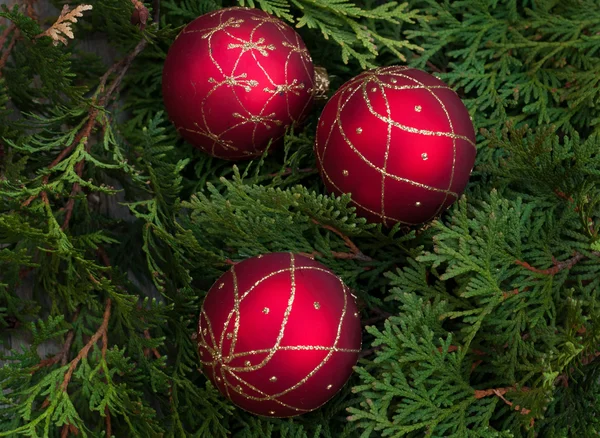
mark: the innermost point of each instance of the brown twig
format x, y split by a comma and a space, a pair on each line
148, 350
509, 294
499, 392
121, 66
63, 354
100, 333
558, 266
108, 422
355, 252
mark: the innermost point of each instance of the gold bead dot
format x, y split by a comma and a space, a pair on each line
345, 172
329, 386
266, 310
248, 363
418, 108
273, 379
259, 256
424, 156
417, 204
359, 130
205, 332
272, 412
317, 305
393, 80
374, 89
355, 313
229, 335
219, 379
221, 285
239, 388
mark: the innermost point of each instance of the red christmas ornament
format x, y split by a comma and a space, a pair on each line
279, 334
400, 141
235, 79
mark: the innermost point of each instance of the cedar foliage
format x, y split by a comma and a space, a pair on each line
485, 323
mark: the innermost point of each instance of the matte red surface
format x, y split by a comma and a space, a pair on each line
235, 79
400, 141
310, 355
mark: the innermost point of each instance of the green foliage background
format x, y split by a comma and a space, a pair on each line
485, 323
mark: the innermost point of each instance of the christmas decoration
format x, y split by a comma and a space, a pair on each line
279, 334
235, 79
400, 141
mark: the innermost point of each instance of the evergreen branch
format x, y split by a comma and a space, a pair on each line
500, 392
6, 53
63, 355
289, 171
84, 134
355, 252
147, 350
558, 266
100, 333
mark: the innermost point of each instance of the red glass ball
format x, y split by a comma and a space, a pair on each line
400, 141
235, 79
279, 334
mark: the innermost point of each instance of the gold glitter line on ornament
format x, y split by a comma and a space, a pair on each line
338, 124
211, 332
272, 274
388, 141
233, 81
273, 349
294, 348
273, 397
303, 52
225, 144
259, 120
236, 310
259, 46
443, 106
321, 157
272, 20
286, 88
231, 22
413, 130
315, 370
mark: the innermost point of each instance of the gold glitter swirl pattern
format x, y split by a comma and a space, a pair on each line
231, 376
259, 50
376, 83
